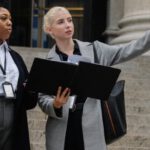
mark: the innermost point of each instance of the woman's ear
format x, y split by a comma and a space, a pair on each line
48, 30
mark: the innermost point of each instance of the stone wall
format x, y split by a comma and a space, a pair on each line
137, 94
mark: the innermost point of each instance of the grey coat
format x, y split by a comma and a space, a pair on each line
92, 124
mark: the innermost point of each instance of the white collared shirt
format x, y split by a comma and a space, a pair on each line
12, 73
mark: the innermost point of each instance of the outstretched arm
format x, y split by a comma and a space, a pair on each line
113, 54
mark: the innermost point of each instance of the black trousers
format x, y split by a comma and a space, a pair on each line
6, 124
74, 134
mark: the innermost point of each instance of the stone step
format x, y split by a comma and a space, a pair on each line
131, 142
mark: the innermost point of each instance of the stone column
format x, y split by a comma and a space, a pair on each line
114, 14
135, 21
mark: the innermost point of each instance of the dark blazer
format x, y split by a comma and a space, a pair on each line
24, 100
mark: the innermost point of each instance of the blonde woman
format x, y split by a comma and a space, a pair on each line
81, 129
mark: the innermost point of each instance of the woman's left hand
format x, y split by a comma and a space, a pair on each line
61, 97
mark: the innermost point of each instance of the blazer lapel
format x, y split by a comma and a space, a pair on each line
86, 50
53, 55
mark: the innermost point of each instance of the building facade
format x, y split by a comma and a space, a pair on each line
27, 17
110, 21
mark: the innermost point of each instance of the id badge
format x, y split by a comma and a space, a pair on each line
8, 90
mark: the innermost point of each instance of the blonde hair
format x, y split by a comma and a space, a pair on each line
49, 17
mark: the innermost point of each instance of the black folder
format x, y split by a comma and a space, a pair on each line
85, 79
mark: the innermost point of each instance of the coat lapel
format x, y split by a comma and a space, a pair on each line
53, 55
86, 50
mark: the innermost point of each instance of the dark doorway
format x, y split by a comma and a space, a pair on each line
21, 18
5, 3
95, 15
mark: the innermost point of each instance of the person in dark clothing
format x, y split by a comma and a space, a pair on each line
14, 98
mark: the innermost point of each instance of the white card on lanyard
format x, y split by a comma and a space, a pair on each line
8, 90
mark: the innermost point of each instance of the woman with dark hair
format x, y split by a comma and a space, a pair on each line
14, 98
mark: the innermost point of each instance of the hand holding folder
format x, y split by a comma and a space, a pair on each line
85, 79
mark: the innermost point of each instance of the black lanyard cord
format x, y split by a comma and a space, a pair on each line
4, 69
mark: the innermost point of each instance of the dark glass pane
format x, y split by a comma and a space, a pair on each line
21, 18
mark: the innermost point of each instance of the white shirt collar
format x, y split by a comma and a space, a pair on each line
4, 44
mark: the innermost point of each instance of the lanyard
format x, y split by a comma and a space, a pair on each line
4, 69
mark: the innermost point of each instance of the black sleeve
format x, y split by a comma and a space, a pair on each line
58, 111
27, 98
